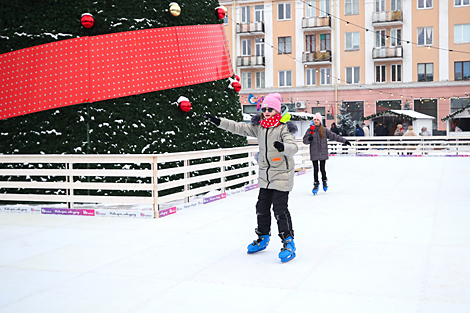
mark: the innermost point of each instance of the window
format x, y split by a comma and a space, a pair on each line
259, 47
380, 38
352, 41
259, 13
459, 3
379, 5
424, 4
395, 5
462, 33
462, 70
246, 47
428, 107
310, 9
310, 43
283, 11
457, 104
424, 36
324, 7
352, 75
355, 109
226, 19
325, 76
384, 105
396, 72
380, 76
246, 80
351, 7
284, 45
395, 37
285, 78
425, 72
246, 14
324, 42
259, 77
311, 74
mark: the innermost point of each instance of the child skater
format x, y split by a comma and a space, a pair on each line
316, 136
276, 171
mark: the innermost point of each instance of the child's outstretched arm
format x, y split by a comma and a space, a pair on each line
240, 128
288, 146
338, 138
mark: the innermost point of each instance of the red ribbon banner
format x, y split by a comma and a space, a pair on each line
90, 69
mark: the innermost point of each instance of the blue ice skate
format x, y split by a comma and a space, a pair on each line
288, 250
258, 245
315, 188
325, 186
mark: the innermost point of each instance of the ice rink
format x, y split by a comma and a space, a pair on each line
391, 235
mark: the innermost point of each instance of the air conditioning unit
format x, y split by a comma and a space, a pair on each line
300, 105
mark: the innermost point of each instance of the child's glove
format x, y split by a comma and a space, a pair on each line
310, 138
279, 146
212, 119
347, 143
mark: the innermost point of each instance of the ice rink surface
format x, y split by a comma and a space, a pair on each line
391, 235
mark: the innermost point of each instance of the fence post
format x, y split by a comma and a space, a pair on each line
69, 179
155, 187
222, 173
186, 177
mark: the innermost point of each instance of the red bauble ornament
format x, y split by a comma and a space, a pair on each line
184, 104
237, 86
87, 20
221, 12
237, 78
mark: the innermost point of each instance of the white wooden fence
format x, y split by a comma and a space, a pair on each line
76, 179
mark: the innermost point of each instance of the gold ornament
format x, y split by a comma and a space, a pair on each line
175, 9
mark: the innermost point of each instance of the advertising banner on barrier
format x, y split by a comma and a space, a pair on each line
300, 172
251, 187
165, 212
122, 213
188, 205
59, 211
214, 198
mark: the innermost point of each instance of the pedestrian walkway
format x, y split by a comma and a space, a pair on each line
391, 235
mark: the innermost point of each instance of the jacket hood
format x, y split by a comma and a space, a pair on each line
290, 126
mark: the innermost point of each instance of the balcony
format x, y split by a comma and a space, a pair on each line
251, 61
316, 57
388, 18
387, 53
316, 23
256, 28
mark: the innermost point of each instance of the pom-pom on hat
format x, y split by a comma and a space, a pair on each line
273, 100
317, 116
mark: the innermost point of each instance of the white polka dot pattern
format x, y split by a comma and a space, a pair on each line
91, 69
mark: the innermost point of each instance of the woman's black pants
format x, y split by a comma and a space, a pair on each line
278, 200
322, 169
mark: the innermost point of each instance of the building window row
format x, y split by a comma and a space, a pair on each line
353, 76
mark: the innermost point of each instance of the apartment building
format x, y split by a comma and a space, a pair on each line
368, 55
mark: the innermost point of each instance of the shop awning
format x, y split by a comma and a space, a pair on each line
405, 114
451, 115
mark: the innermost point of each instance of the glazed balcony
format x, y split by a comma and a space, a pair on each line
256, 28
387, 53
316, 57
388, 18
251, 61
316, 23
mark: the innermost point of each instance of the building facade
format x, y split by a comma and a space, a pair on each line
368, 56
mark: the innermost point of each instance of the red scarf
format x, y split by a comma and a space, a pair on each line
273, 121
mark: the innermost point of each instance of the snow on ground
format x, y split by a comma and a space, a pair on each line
392, 235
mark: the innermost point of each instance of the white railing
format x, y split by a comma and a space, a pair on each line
154, 180
401, 145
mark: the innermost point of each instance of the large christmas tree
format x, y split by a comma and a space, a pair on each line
142, 123
345, 119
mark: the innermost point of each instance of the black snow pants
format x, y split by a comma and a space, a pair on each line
278, 200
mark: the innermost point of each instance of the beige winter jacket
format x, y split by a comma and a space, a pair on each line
276, 169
